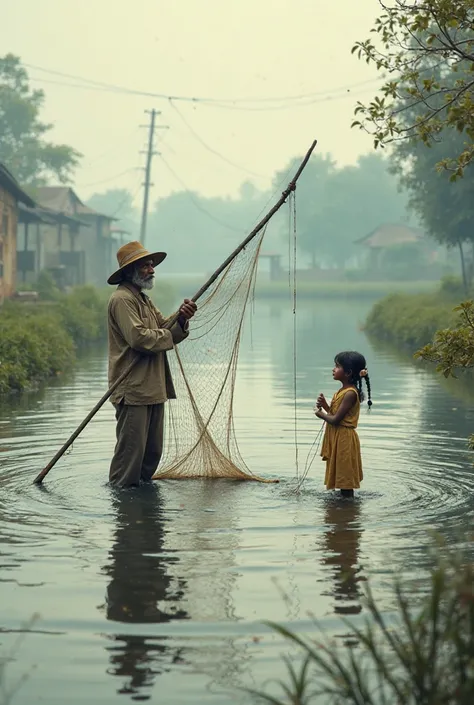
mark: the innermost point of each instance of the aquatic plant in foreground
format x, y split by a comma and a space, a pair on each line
424, 656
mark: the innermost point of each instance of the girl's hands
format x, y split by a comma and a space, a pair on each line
321, 402
322, 407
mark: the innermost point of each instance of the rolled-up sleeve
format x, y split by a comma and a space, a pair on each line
136, 334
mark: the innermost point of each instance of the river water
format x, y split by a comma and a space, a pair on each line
160, 594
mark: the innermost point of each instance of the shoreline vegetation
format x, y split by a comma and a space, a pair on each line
187, 285
432, 329
409, 321
40, 340
420, 652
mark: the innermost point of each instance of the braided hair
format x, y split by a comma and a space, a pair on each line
353, 363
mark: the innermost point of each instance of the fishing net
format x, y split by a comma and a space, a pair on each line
200, 440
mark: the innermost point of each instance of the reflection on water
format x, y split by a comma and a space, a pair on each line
341, 548
160, 593
140, 589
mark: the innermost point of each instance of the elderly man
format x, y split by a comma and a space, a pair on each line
136, 328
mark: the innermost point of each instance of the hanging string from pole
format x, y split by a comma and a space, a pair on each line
312, 453
292, 235
290, 261
292, 275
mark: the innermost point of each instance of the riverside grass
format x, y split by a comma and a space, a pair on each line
422, 653
40, 340
409, 321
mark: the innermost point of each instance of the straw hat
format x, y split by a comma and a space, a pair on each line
130, 253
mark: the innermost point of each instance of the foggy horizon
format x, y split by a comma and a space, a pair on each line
273, 50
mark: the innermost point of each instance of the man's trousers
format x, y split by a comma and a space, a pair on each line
139, 444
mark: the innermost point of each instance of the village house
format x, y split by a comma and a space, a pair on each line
11, 197
72, 237
34, 239
382, 245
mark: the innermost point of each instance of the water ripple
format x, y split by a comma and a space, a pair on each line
140, 586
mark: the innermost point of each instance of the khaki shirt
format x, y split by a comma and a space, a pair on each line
135, 329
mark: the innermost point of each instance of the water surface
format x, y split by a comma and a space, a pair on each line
160, 593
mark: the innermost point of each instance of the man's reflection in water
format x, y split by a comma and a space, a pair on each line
140, 590
341, 545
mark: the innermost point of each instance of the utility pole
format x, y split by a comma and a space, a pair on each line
149, 158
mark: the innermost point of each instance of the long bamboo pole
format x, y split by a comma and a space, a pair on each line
291, 187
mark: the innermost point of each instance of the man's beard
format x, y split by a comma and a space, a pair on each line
143, 282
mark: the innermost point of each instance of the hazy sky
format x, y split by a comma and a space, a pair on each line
221, 49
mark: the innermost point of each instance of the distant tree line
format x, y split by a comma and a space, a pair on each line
336, 205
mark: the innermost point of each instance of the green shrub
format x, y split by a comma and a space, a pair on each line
84, 315
422, 655
90, 297
39, 340
452, 286
46, 287
13, 377
32, 348
82, 323
409, 320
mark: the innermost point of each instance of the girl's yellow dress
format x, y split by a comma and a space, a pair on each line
341, 447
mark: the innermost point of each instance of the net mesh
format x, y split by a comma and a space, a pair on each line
200, 440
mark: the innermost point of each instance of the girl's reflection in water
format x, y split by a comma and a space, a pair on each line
341, 546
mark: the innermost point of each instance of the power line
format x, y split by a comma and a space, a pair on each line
219, 102
126, 197
215, 103
210, 149
85, 86
316, 100
195, 202
109, 178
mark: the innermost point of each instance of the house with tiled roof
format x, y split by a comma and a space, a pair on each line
83, 245
392, 236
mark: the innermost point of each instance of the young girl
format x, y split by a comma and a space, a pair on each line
341, 447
